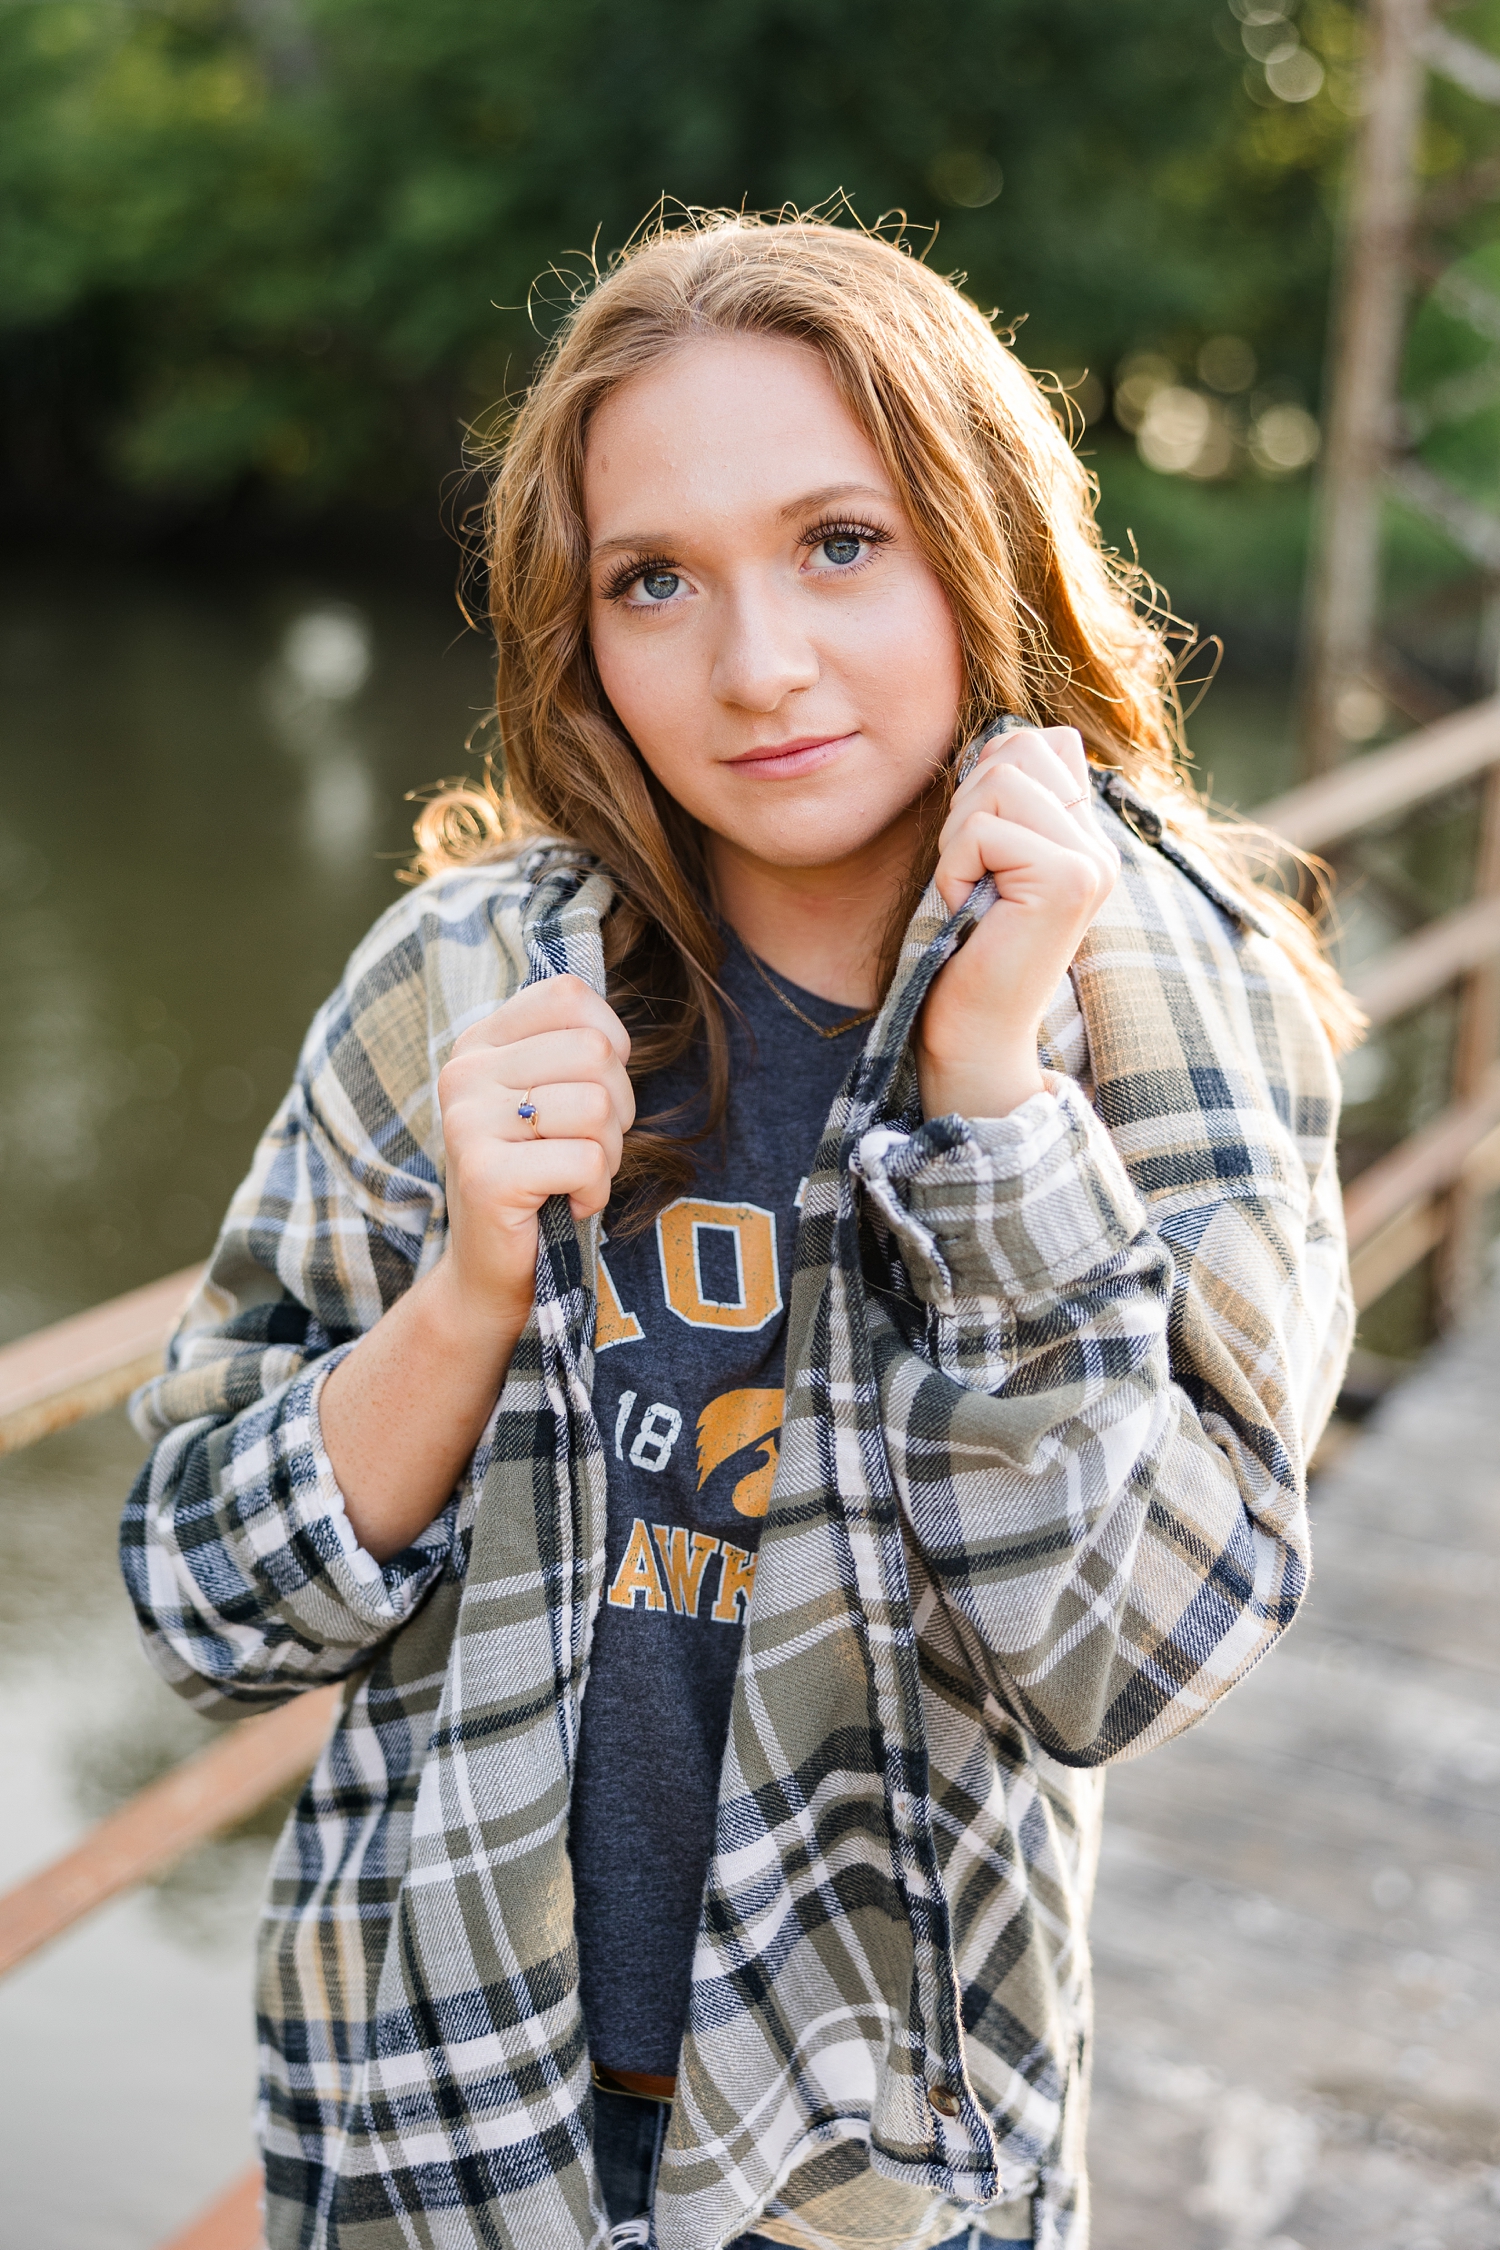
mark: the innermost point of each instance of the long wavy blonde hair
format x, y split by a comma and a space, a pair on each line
1051, 626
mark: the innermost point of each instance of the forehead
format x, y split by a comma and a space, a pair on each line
726, 425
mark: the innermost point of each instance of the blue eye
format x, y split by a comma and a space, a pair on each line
659, 585
841, 548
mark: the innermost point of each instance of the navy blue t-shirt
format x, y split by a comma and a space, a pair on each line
688, 1392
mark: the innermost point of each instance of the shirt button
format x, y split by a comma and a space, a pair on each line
945, 2101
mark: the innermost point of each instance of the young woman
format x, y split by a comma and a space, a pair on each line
777, 1331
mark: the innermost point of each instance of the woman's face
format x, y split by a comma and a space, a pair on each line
764, 625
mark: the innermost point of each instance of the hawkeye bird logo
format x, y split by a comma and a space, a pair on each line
731, 1424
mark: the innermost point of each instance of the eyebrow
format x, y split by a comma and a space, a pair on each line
830, 492
647, 542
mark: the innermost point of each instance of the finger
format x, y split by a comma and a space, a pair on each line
1066, 743
1029, 867
1045, 748
1053, 756
579, 1110
1014, 794
558, 1003
575, 1077
582, 1053
527, 1175
1043, 764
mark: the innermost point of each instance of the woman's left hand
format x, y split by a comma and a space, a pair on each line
1026, 817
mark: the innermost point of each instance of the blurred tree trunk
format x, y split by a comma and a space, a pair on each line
1344, 587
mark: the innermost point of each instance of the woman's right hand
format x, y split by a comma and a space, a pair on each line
403, 1413
560, 1046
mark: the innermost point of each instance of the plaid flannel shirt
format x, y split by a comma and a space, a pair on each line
1050, 1386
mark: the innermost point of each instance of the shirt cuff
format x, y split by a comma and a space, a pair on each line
1020, 1207
378, 1592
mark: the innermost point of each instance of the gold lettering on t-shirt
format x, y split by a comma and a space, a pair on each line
684, 1568
637, 1574
612, 1323
736, 1585
730, 1424
679, 1240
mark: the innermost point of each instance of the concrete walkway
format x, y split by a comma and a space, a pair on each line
1297, 1937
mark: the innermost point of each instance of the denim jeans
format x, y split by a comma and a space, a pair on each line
628, 2135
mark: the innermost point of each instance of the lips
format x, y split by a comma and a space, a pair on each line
787, 759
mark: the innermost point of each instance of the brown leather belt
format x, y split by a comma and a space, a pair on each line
641, 2083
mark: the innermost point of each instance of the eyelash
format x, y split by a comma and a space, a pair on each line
869, 533
622, 579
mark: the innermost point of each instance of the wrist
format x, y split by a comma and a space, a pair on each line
971, 1086
467, 1320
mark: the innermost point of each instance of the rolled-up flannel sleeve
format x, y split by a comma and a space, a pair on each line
246, 1576
248, 1581
1098, 1414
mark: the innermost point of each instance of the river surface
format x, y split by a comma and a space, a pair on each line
201, 809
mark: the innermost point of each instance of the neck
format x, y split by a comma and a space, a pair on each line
822, 928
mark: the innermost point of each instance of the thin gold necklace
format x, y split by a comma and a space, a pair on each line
823, 1030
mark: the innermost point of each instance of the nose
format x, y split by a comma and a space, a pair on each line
763, 653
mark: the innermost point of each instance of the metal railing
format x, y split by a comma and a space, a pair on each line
1420, 1197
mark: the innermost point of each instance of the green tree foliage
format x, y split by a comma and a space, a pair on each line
298, 244
1451, 377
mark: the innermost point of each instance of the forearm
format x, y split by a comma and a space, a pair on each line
1109, 1593
404, 1411
1117, 1547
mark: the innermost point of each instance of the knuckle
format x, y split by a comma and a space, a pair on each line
467, 1183
596, 1105
482, 1034
1078, 880
454, 1079
574, 1000
472, 1156
541, 1007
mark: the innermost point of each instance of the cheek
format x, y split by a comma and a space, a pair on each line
649, 684
612, 658
912, 658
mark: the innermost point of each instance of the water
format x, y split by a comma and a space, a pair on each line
201, 787
200, 811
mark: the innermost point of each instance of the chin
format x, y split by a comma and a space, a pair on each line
823, 849
829, 825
